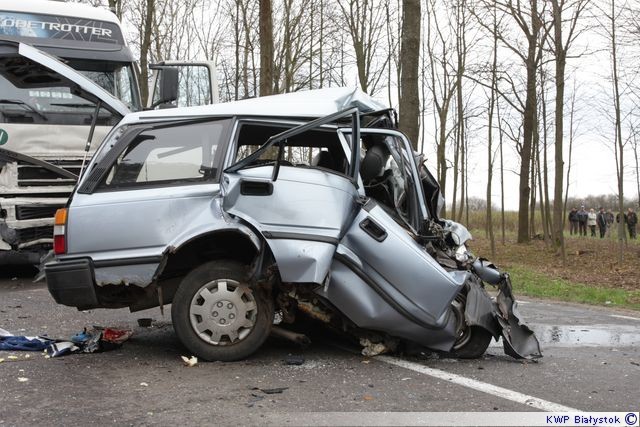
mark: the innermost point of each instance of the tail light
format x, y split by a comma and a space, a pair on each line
59, 232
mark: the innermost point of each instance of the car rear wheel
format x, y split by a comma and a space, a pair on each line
217, 315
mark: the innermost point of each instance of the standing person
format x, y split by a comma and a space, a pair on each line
632, 221
592, 220
609, 216
573, 221
583, 216
602, 222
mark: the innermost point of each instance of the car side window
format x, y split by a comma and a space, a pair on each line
318, 148
177, 154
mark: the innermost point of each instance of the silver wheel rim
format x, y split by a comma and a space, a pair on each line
223, 312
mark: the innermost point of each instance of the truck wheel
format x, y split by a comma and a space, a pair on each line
217, 315
472, 341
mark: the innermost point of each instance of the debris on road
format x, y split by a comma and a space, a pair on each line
371, 349
22, 343
97, 339
277, 390
294, 359
299, 339
189, 361
254, 399
23, 379
145, 322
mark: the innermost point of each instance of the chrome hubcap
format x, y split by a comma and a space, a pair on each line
223, 312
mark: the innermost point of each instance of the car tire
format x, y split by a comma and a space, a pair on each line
476, 343
217, 315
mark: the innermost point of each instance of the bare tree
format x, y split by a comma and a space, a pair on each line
145, 48
409, 59
528, 19
266, 48
442, 85
490, 113
609, 18
560, 49
365, 22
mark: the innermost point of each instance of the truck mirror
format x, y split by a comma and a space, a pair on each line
168, 92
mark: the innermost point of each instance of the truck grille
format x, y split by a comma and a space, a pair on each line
37, 211
35, 176
34, 233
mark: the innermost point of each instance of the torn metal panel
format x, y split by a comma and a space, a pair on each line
301, 261
138, 275
371, 310
518, 339
479, 309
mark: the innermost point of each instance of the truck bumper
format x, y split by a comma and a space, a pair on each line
71, 282
11, 257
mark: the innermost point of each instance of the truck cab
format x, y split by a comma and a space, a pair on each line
49, 127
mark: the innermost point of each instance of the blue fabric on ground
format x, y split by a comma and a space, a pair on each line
20, 343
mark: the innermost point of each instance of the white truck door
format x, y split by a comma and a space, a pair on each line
197, 84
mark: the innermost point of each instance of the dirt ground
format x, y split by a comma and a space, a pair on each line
589, 260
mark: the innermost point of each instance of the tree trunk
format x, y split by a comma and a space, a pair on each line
622, 235
527, 141
502, 215
561, 60
409, 60
492, 102
266, 48
145, 48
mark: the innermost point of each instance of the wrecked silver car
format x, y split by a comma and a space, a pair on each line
309, 204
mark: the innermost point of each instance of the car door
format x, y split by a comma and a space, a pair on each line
302, 212
380, 244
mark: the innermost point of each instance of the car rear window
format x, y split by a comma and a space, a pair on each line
168, 155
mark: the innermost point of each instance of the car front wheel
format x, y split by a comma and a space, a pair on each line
217, 315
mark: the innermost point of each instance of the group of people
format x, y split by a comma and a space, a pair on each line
579, 220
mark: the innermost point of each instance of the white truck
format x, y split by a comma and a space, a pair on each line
47, 125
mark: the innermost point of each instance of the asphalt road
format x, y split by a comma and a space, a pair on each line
591, 362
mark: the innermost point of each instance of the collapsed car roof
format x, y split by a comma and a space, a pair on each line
303, 104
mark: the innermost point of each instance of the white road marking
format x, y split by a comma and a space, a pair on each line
494, 390
619, 316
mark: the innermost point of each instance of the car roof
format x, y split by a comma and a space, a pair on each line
302, 104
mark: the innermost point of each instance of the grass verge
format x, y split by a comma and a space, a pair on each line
534, 284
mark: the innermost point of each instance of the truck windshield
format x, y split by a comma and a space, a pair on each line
57, 105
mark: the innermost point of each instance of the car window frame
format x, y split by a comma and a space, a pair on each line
289, 124
354, 162
407, 160
100, 171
